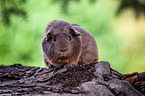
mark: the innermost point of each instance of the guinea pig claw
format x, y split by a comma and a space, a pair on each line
73, 65
66, 66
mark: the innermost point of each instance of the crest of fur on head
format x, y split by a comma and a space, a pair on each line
62, 44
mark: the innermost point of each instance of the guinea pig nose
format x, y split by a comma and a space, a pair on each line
63, 50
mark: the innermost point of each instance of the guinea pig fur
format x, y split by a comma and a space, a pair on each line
66, 44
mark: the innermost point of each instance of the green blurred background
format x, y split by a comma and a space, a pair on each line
120, 38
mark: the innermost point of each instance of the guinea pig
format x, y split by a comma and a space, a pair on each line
66, 44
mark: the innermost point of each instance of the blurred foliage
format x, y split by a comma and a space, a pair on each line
120, 38
9, 7
138, 6
64, 4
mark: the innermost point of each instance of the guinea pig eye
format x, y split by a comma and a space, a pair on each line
54, 39
69, 38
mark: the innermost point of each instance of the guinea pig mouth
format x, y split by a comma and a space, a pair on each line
62, 57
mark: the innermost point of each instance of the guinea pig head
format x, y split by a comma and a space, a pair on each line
62, 46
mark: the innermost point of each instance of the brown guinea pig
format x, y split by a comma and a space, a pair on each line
66, 44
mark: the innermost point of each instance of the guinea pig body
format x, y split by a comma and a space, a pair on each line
65, 44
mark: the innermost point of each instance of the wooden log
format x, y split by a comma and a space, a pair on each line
83, 80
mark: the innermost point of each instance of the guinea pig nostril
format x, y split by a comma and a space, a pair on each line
63, 50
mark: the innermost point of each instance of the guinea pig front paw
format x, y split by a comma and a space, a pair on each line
50, 69
70, 65
73, 65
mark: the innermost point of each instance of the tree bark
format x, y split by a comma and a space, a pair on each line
83, 80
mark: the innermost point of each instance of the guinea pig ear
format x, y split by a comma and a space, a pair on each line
48, 36
75, 32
